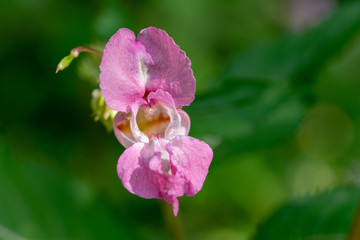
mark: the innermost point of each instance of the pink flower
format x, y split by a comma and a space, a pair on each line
147, 79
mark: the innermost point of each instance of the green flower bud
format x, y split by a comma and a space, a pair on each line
101, 112
64, 63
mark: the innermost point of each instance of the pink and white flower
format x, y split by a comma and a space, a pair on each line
147, 79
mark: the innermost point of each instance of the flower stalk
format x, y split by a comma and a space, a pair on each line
354, 233
74, 53
173, 224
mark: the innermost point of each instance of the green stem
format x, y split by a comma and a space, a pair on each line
76, 51
355, 228
173, 223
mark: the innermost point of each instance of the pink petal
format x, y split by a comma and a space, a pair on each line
175, 204
138, 135
123, 74
191, 158
185, 122
166, 100
169, 69
162, 96
122, 130
135, 176
161, 163
174, 188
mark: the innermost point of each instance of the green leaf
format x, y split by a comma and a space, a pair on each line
299, 57
255, 104
327, 215
256, 118
38, 202
8, 234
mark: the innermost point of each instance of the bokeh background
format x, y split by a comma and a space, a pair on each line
277, 99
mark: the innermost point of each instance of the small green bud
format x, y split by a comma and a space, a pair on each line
64, 63
101, 112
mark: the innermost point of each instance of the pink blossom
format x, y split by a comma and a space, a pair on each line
147, 80
132, 67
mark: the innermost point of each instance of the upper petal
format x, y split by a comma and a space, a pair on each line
191, 159
123, 73
135, 176
169, 68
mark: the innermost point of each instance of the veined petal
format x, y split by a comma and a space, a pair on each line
135, 176
169, 69
191, 159
123, 74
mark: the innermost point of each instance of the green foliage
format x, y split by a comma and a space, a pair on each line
41, 203
262, 96
323, 216
299, 58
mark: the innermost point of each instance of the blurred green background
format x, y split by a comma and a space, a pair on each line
277, 99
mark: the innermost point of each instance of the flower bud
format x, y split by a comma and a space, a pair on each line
64, 63
101, 112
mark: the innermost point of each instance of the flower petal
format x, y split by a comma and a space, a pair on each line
123, 73
174, 187
122, 130
191, 158
138, 135
166, 100
169, 68
135, 176
185, 123
175, 204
